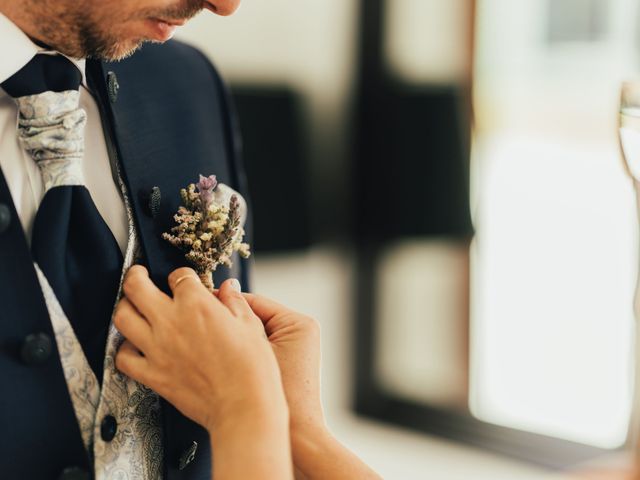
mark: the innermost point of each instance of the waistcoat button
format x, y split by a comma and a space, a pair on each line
36, 349
108, 428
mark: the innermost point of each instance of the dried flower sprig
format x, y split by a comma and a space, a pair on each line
207, 231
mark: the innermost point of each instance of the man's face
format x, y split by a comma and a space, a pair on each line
113, 29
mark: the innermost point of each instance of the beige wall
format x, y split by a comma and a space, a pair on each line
308, 45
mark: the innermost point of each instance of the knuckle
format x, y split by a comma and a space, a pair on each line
131, 284
201, 307
137, 270
250, 318
171, 330
200, 298
310, 324
234, 295
178, 272
119, 315
159, 383
122, 363
135, 273
193, 302
162, 362
118, 319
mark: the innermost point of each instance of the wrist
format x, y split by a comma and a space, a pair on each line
253, 445
259, 398
252, 410
310, 444
261, 424
317, 454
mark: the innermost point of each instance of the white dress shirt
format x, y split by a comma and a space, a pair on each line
21, 172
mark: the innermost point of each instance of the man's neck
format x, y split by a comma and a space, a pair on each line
18, 16
18, 13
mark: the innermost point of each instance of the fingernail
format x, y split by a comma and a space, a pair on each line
235, 284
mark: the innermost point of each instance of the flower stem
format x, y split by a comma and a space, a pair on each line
207, 280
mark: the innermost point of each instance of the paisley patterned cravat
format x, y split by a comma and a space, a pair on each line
71, 243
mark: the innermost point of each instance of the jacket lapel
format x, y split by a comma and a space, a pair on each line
142, 168
159, 153
150, 155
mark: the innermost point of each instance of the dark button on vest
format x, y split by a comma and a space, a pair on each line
5, 217
108, 428
74, 473
36, 349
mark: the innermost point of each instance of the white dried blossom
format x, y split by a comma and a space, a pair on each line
209, 232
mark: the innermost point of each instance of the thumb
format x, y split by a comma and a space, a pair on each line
230, 295
264, 307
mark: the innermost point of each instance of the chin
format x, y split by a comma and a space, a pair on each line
118, 51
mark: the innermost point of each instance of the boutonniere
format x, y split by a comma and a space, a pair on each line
209, 232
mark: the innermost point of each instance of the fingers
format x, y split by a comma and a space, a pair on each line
276, 317
229, 294
180, 275
184, 281
189, 292
142, 293
263, 307
131, 363
132, 325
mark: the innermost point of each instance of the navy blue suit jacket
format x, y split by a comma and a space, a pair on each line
171, 120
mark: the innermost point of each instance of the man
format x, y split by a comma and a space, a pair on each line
96, 142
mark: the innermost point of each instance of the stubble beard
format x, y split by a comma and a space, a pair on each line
88, 34
96, 43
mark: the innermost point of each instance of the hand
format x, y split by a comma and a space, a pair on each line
205, 355
208, 356
295, 339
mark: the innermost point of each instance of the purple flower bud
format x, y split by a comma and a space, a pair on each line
206, 185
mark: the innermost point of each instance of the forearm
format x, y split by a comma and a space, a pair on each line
256, 447
319, 456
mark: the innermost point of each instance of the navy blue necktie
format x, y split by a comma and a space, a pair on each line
71, 243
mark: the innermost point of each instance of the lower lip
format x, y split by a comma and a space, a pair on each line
161, 31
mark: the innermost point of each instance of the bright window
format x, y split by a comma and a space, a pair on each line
554, 260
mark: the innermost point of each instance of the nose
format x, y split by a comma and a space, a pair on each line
222, 7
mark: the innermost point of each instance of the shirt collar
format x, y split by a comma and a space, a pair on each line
17, 49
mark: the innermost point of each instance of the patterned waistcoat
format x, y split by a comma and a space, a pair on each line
135, 452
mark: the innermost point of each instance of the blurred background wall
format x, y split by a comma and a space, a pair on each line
306, 50
357, 118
